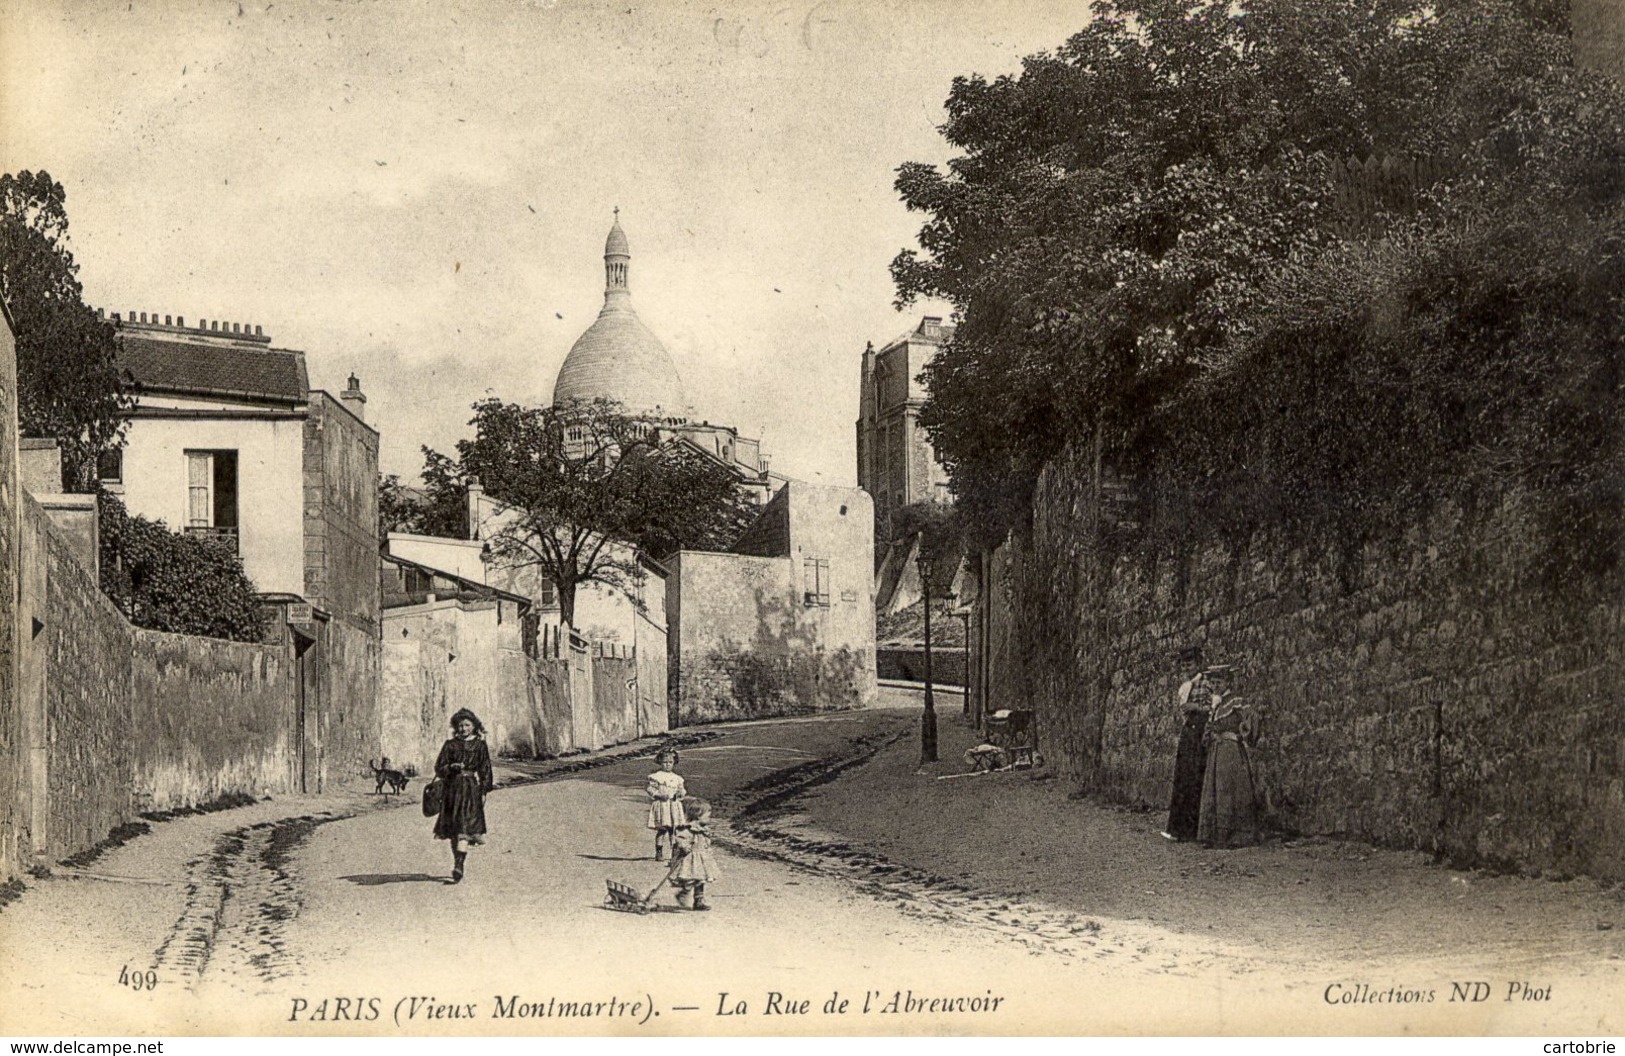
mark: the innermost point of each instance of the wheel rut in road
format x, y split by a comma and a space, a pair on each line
239, 899
241, 896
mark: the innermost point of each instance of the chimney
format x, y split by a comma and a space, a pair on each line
354, 398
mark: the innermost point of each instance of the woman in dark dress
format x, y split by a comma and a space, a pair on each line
1195, 698
464, 766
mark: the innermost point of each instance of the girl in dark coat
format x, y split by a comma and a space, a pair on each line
464, 766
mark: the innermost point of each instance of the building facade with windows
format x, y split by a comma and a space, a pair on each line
227, 440
896, 464
216, 441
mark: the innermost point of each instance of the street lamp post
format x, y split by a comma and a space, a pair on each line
928, 721
964, 709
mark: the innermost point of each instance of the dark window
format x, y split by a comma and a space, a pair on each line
225, 489
211, 495
110, 466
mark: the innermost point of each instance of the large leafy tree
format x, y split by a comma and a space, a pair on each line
1127, 217
586, 486
69, 383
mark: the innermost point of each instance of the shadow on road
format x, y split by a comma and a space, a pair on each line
611, 858
374, 879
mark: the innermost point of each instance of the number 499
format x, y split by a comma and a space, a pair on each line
138, 979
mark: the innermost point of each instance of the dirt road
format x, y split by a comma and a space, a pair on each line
850, 877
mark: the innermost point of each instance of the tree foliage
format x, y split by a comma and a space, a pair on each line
938, 527
439, 507
68, 380
585, 486
168, 581
1142, 234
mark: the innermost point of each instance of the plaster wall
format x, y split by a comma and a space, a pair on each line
269, 486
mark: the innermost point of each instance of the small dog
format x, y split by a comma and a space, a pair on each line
395, 779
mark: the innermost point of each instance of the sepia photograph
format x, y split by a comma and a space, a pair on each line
851, 518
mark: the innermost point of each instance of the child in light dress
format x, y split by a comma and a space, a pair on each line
666, 792
692, 864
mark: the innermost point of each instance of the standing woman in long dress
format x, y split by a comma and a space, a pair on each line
1190, 760
1197, 698
1229, 800
464, 766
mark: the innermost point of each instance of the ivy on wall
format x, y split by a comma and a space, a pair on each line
168, 581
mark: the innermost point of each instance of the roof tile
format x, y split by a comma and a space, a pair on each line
275, 375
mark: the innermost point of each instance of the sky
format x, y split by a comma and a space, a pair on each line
419, 193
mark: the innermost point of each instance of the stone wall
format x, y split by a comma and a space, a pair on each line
15, 797
340, 466
102, 721
83, 658
348, 673
1436, 694
112, 721
447, 655
452, 654
788, 627
740, 650
906, 663
215, 717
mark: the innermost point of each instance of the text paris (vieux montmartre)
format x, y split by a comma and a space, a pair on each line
427, 1008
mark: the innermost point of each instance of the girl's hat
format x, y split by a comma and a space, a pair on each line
463, 713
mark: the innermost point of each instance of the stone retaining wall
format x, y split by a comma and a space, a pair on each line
1437, 694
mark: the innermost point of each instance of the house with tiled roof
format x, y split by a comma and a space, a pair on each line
227, 440
217, 434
